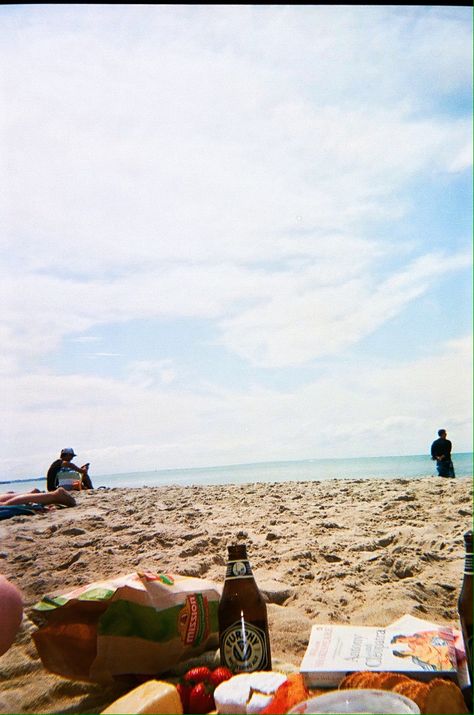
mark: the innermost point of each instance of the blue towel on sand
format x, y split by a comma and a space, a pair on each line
7, 511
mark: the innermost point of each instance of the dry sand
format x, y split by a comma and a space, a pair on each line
343, 551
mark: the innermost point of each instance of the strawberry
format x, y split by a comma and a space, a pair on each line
184, 689
197, 675
220, 674
201, 699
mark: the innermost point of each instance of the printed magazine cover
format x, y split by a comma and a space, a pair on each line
410, 646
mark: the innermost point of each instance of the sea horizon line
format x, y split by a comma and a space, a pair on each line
239, 464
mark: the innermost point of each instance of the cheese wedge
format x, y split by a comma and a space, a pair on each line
247, 692
154, 697
257, 702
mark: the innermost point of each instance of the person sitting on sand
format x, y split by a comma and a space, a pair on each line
62, 472
58, 496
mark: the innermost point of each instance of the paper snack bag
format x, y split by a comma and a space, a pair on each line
142, 623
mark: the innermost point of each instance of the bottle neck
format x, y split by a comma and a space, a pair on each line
237, 552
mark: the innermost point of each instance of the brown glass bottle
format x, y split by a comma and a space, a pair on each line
465, 608
243, 627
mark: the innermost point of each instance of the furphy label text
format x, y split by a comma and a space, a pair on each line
244, 647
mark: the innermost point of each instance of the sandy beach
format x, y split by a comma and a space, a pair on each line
360, 551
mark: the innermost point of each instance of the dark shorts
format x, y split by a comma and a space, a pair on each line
445, 468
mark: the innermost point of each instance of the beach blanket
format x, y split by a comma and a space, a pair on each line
7, 511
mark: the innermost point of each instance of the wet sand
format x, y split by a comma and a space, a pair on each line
343, 551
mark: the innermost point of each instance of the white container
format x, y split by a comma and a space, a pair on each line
358, 701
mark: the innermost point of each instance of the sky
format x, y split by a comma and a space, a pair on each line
233, 233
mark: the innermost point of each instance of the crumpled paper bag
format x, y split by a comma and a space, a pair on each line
141, 623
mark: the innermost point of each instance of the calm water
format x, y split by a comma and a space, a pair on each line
413, 467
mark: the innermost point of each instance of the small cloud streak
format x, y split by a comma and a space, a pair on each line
106, 354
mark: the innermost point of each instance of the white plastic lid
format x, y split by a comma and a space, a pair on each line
358, 701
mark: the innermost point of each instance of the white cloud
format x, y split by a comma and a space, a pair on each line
148, 373
462, 160
85, 339
158, 146
246, 165
298, 323
272, 318
352, 409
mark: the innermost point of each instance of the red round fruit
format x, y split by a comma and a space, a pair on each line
197, 675
201, 699
184, 690
219, 675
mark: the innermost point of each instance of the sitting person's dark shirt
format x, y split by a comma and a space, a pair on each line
441, 448
52, 475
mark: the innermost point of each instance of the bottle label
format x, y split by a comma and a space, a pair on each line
468, 564
244, 647
238, 569
193, 620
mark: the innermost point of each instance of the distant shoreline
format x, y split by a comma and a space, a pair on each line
19, 481
386, 467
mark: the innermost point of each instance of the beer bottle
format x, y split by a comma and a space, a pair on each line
465, 608
243, 627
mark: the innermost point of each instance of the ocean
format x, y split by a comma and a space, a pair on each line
409, 467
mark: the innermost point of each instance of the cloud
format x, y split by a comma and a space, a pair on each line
270, 317
148, 373
463, 160
251, 167
350, 409
85, 339
298, 323
171, 145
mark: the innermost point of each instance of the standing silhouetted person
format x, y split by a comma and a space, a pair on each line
441, 453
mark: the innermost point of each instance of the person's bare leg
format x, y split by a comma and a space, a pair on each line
59, 496
9, 495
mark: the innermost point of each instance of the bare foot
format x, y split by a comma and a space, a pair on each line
64, 497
